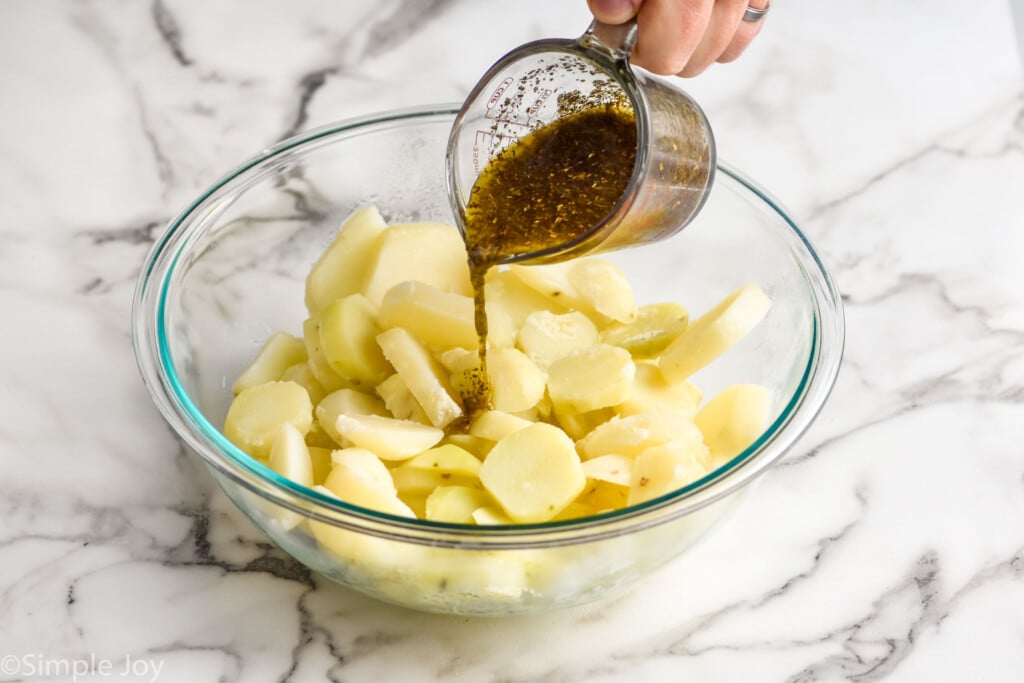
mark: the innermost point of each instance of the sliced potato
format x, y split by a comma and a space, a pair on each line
354, 484
455, 504
734, 419
578, 425
714, 333
399, 400
257, 414
603, 496
653, 328
603, 287
370, 467
301, 374
595, 287
417, 481
508, 303
632, 435
533, 473
652, 393
348, 337
548, 337
475, 445
663, 469
439, 319
491, 515
447, 458
427, 252
613, 468
279, 352
290, 457
318, 365
598, 377
575, 510
424, 376
495, 425
516, 382
322, 463
345, 402
342, 267
389, 438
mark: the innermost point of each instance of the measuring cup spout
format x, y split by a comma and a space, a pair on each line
614, 40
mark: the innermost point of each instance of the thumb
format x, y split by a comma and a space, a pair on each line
613, 11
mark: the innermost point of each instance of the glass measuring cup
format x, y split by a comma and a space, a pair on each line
540, 82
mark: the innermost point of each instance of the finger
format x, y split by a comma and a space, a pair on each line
668, 33
745, 33
726, 18
613, 11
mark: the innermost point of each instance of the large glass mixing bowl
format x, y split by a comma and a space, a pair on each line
229, 271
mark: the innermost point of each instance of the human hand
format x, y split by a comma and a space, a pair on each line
683, 37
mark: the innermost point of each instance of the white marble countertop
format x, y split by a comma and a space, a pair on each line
889, 546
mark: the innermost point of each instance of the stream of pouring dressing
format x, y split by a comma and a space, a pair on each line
544, 190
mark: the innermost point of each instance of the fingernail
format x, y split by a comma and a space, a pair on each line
612, 11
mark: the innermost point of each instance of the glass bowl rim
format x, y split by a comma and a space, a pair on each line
153, 357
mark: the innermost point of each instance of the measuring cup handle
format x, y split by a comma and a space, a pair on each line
614, 40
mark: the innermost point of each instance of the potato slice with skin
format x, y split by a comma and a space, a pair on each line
652, 393
734, 419
533, 473
599, 377
301, 374
389, 438
318, 365
424, 376
653, 328
257, 414
342, 267
455, 504
399, 400
495, 425
447, 458
278, 353
439, 319
614, 468
548, 337
368, 464
663, 469
632, 435
714, 333
345, 402
348, 337
428, 252
516, 381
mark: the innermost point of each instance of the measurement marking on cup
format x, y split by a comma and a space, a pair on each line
535, 107
489, 143
499, 91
